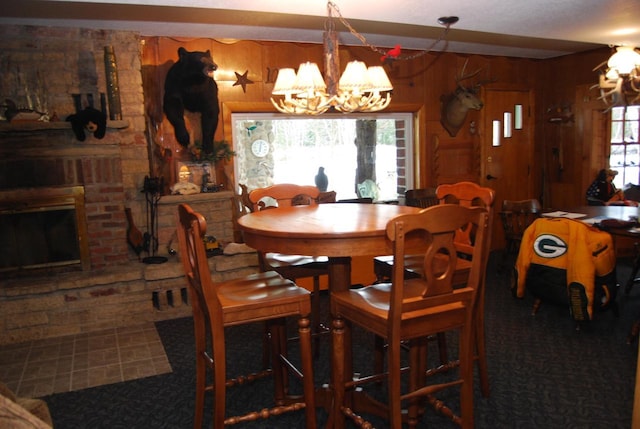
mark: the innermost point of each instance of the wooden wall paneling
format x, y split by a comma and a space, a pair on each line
421, 81
241, 57
592, 128
455, 161
565, 79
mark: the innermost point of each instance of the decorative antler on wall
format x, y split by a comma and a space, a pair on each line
456, 104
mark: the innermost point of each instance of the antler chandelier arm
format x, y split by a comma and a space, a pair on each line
446, 21
359, 89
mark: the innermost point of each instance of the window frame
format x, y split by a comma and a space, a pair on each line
624, 146
405, 170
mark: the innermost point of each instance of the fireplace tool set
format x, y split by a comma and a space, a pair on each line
152, 190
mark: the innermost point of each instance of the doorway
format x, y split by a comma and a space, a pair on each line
507, 151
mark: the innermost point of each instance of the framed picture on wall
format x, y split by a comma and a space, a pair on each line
198, 173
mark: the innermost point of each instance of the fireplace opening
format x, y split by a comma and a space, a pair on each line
43, 228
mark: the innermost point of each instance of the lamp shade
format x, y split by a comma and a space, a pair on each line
285, 82
354, 78
378, 79
309, 79
624, 60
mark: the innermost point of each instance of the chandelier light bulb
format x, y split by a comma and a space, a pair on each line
625, 60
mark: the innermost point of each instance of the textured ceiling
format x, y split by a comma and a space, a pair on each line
532, 29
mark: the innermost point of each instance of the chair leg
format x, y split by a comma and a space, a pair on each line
201, 374
481, 353
417, 378
306, 357
442, 348
338, 373
536, 306
395, 389
219, 384
266, 347
466, 372
318, 326
378, 355
634, 270
276, 331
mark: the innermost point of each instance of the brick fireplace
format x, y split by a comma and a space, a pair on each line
105, 284
36, 178
43, 228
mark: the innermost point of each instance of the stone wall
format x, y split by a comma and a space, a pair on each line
73, 303
44, 68
122, 295
49, 65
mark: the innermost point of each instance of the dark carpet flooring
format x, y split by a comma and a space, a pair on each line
543, 373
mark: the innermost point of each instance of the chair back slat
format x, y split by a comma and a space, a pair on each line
421, 197
467, 194
192, 228
516, 216
436, 227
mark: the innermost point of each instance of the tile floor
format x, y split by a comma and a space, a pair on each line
55, 365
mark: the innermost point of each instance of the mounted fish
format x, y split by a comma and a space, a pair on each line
456, 104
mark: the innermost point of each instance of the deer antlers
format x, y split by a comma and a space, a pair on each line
613, 91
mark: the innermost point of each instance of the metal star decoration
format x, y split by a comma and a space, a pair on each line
242, 80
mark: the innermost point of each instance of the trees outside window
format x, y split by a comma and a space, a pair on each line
625, 145
350, 149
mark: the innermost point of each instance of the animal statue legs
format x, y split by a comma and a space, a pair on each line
175, 114
209, 124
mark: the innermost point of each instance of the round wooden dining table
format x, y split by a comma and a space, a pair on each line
337, 230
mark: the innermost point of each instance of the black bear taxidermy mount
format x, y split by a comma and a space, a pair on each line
89, 119
189, 85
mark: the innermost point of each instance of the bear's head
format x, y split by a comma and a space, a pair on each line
197, 60
89, 119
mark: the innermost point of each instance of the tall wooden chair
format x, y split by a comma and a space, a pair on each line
260, 297
421, 197
466, 194
516, 216
407, 311
293, 267
469, 194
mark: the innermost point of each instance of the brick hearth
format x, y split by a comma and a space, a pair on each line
115, 289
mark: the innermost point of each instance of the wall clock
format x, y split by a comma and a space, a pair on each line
260, 148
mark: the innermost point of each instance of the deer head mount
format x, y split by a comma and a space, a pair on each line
456, 104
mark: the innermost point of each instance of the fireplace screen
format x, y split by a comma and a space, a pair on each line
42, 229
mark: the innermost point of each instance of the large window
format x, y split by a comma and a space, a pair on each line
625, 145
274, 148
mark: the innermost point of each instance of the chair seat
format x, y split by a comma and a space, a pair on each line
266, 295
281, 260
373, 302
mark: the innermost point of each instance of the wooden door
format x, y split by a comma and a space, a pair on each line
507, 168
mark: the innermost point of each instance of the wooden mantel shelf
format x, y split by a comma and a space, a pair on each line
7, 127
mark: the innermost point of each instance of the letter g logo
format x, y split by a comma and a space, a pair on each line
549, 246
